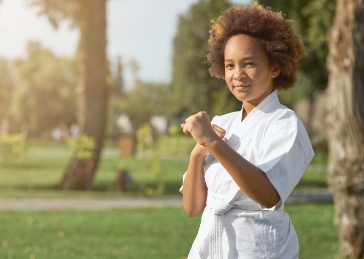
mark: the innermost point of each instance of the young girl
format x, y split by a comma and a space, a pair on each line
245, 164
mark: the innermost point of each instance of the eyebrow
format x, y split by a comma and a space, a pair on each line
243, 59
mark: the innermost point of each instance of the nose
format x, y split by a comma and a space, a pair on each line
239, 76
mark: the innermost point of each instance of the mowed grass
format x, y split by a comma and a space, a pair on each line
44, 163
126, 233
43, 166
153, 233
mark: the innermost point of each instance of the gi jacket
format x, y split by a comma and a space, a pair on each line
233, 226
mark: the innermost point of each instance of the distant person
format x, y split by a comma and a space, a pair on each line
246, 163
75, 130
60, 132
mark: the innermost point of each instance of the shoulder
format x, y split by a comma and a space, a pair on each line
285, 126
283, 121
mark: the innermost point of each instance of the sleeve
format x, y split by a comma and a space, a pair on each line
183, 179
287, 152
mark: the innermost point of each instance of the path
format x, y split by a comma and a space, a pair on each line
109, 203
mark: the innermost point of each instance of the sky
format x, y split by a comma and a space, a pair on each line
142, 30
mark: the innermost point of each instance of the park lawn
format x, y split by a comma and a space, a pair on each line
43, 165
153, 233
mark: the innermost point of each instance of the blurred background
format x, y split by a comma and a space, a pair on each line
92, 94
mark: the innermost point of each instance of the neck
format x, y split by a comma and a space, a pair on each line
247, 108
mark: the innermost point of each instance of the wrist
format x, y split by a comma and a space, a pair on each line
198, 152
212, 143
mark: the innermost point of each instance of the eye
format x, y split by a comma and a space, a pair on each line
249, 64
229, 66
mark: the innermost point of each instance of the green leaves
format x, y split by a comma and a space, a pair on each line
56, 10
45, 84
144, 101
12, 146
312, 19
193, 89
84, 146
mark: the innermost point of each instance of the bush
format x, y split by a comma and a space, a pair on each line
12, 146
175, 145
84, 146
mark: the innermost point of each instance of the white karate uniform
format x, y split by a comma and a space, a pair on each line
233, 226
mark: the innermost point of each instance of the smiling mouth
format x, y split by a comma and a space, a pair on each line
241, 86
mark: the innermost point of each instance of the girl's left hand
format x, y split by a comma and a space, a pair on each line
199, 127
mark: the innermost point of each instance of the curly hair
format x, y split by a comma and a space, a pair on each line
272, 32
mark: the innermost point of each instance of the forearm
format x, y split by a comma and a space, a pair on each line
194, 186
251, 180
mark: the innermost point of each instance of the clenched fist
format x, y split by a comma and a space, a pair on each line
199, 127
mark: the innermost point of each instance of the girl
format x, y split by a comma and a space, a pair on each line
246, 163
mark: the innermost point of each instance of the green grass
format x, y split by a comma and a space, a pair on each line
315, 228
44, 163
138, 233
43, 166
315, 177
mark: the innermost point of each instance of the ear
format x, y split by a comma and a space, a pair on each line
275, 70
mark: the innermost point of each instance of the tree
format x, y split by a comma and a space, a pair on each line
45, 83
117, 91
6, 87
312, 19
90, 17
345, 104
193, 89
152, 96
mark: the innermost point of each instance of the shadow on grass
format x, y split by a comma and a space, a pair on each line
311, 184
109, 187
136, 189
32, 165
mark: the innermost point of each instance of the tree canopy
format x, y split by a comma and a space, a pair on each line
45, 90
193, 89
6, 86
144, 101
311, 19
89, 16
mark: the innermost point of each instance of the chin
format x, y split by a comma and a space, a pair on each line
241, 98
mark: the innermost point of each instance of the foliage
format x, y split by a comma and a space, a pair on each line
175, 130
84, 146
90, 18
144, 101
146, 148
116, 92
144, 139
193, 89
57, 11
45, 93
175, 145
6, 86
312, 19
12, 146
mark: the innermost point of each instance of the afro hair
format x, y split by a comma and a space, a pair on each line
272, 32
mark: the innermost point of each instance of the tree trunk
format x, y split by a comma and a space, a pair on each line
92, 92
345, 119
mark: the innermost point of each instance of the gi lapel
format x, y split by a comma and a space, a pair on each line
239, 129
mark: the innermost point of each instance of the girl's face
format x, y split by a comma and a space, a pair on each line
248, 72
